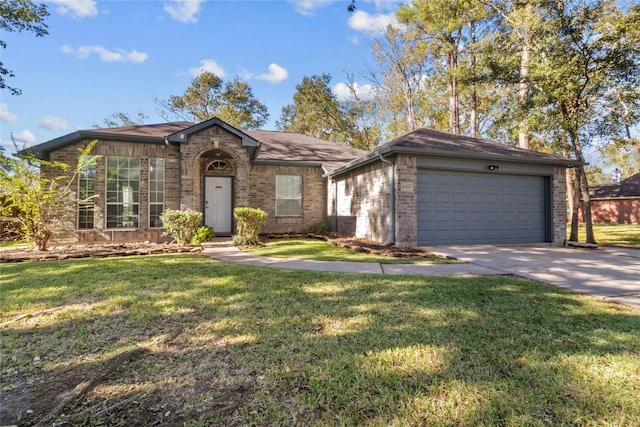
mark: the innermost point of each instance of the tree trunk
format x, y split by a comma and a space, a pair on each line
474, 91
454, 113
523, 91
573, 193
581, 177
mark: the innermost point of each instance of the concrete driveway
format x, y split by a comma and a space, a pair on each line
610, 273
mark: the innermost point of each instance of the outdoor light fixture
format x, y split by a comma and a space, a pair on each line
494, 167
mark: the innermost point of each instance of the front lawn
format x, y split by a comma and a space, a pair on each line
320, 250
187, 339
627, 235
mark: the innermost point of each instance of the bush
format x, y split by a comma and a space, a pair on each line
181, 225
319, 228
249, 223
204, 233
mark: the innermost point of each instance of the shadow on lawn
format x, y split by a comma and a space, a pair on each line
321, 347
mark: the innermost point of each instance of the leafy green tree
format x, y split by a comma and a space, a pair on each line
316, 112
208, 97
18, 16
582, 56
37, 192
440, 26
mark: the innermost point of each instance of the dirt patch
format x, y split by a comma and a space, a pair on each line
56, 253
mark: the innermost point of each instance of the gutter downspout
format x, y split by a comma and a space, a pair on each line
177, 150
393, 197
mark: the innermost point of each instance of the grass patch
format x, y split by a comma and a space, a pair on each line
317, 348
319, 250
627, 235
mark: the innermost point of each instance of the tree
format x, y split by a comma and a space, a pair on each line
36, 192
208, 97
120, 119
317, 112
18, 16
582, 56
440, 26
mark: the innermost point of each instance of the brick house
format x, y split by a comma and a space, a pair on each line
425, 188
617, 203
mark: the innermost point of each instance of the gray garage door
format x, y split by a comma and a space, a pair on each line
476, 208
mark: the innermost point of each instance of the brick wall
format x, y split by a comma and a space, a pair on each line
624, 210
262, 194
360, 202
406, 200
559, 206
68, 232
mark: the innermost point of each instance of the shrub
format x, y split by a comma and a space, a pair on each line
181, 225
319, 228
204, 233
249, 224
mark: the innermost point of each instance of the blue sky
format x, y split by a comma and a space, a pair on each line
101, 57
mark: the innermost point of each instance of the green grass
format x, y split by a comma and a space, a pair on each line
319, 348
627, 235
319, 250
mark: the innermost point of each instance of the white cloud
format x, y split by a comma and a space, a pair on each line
184, 11
245, 74
343, 92
76, 8
371, 24
209, 66
6, 115
54, 123
308, 7
24, 137
120, 55
276, 74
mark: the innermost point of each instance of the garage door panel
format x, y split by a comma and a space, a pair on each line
471, 207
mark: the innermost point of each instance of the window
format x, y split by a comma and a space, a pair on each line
288, 195
218, 166
86, 195
123, 192
156, 191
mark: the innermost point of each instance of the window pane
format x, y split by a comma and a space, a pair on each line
86, 191
123, 192
156, 191
288, 195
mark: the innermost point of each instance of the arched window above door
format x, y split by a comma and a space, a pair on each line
219, 166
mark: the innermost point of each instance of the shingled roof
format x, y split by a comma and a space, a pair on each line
275, 146
629, 187
437, 143
295, 147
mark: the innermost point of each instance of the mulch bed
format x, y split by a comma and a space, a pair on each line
363, 245
56, 253
100, 250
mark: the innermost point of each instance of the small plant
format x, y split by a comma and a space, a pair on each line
250, 222
204, 233
319, 228
181, 225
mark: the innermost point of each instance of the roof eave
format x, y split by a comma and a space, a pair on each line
445, 153
294, 163
42, 151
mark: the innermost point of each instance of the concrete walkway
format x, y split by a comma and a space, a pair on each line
610, 273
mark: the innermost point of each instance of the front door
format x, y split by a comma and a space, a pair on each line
218, 204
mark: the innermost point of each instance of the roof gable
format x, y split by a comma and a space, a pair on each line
182, 135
